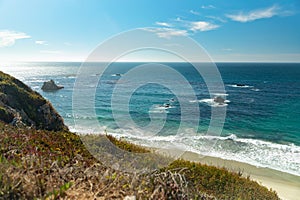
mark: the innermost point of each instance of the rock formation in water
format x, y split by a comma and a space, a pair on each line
219, 100
20, 105
51, 86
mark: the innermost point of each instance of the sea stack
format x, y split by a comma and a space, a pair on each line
51, 86
219, 100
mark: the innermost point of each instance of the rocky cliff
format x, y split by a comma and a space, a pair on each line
20, 105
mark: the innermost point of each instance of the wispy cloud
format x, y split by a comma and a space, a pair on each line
41, 42
163, 24
203, 26
167, 32
194, 12
208, 7
256, 14
216, 18
8, 38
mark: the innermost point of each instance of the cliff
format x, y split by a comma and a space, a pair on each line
20, 105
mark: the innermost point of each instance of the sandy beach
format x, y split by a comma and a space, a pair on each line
286, 185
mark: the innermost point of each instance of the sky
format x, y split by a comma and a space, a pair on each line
230, 31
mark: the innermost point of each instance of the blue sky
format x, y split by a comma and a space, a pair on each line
68, 30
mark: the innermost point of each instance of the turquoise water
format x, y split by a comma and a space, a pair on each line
262, 125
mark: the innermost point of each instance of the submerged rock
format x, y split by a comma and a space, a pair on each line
19, 105
51, 86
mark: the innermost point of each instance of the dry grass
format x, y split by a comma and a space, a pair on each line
55, 165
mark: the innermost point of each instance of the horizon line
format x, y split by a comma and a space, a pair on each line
74, 61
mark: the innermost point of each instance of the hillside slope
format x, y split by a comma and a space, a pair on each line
20, 104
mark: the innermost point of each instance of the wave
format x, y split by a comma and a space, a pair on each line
211, 102
117, 74
71, 76
240, 86
220, 94
158, 111
160, 108
255, 90
282, 157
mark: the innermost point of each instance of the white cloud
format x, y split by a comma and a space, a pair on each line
208, 7
41, 42
167, 32
194, 12
163, 24
203, 26
8, 38
255, 14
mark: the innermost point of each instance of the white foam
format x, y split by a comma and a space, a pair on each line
160, 108
117, 75
212, 103
282, 157
255, 90
220, 94
243, 86
260, 153
158, 111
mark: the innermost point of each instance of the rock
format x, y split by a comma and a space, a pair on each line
166, 105
51, 86
130, 198
19, 105
219, 100
17, 121
240, 85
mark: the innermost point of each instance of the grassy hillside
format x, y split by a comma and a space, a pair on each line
44, 164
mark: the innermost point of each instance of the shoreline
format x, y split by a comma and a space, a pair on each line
286, 185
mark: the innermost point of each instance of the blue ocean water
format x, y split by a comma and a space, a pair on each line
262, 125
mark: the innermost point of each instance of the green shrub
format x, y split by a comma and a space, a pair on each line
221, 183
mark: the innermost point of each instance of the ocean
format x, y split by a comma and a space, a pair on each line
262, 125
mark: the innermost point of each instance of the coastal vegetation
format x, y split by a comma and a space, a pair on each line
25, 106
41, 163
